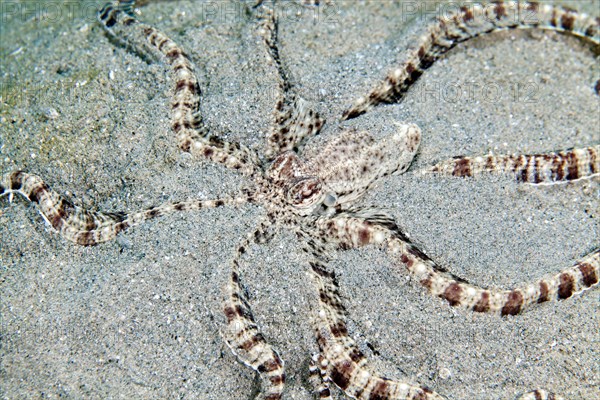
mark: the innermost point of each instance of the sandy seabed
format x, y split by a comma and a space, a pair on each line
139, 317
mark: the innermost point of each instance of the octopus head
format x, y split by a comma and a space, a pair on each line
300, 187
305, 193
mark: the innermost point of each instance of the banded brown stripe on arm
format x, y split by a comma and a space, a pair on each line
470, 21
293, 120
89, 228
548, 168
581, 276
341, 360
318, 376
242, 335
353, 231
186, 121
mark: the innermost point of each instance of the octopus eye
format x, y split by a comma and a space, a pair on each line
305, 192
330, 200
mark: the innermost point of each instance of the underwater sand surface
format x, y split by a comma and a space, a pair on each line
139, 317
